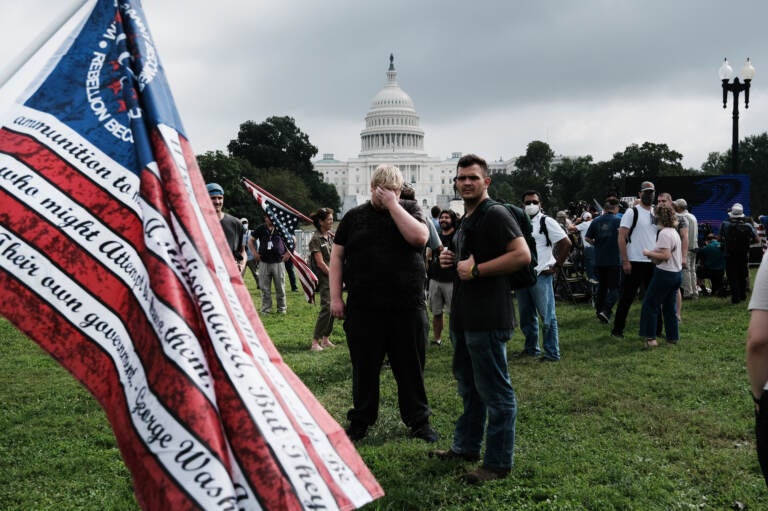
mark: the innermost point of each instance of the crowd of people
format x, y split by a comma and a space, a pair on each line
394, 264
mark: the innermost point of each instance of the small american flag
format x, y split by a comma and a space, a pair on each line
286, 219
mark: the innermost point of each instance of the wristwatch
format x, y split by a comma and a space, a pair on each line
475, 272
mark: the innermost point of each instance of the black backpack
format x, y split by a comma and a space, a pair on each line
634, 223
524, 277
542, 226
738, 237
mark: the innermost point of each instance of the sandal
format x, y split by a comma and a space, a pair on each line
651, 343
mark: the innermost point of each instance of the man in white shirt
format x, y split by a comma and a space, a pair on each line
552, 249
637, 232
588, 257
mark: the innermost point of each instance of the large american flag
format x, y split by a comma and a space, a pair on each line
113, 260
286, 219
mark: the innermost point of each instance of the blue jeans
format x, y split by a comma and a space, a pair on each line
539, 300
480, 368
661, 295
589, 262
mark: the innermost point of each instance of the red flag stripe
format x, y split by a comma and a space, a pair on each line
307, 278
128, 267
86, 362
165, 438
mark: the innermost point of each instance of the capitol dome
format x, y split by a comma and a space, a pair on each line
392, 124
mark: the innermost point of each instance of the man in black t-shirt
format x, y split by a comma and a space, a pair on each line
377, 254
440, 284
234, 231
487, 247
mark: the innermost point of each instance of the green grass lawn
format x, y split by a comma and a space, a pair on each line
611, 426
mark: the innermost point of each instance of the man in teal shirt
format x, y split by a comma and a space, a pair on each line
712, 261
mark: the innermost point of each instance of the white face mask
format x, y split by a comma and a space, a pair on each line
532, 209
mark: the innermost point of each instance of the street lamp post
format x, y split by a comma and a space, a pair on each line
726, 72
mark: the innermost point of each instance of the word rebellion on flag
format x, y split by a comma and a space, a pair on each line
110, 260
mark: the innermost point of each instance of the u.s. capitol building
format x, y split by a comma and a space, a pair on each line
392, 135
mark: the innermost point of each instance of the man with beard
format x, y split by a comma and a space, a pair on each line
234, 231
441, 279
486, 248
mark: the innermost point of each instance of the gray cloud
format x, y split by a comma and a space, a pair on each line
589, 77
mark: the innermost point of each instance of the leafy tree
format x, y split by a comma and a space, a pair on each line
647, 161
753, 154
227, 171
534, 168
275, 143
278, 146
716, 164
502, 189
753, 161
568, 180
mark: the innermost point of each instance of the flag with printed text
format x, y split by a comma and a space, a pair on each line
112, 259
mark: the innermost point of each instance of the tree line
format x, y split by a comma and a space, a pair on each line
565, 180
277, 155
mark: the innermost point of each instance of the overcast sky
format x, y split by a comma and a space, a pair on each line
588, 77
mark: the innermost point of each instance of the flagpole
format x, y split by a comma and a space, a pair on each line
16, 64
299, 214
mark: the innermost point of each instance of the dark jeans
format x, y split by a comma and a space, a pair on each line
640, 276
737, 271
661, 297
608, 289
291, 274
398, 335
715, 276
490, 406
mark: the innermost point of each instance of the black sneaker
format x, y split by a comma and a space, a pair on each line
603, 317
356, 431
524, 354
425, 432
615, 333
